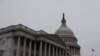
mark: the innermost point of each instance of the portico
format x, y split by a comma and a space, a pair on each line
37, 48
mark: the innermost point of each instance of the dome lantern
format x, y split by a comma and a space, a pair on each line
63, 19
64, 30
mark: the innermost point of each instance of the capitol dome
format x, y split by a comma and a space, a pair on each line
64, 30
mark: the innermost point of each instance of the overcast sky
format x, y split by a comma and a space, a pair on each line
83, 17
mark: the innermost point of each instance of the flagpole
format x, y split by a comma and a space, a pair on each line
92, 53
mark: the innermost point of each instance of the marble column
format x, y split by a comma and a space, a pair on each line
74, 50
79, 51
49, 51
56, 51
59, 52
24, 47
62, 52
45, 49
53, 52
34, 53
40, 48
71, 50
66, 53
30, 47
18, 47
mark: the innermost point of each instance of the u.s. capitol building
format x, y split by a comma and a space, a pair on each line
19, 40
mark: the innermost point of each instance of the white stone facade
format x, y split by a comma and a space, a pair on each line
19, 40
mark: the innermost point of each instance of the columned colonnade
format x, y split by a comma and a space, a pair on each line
38, 48
75, 50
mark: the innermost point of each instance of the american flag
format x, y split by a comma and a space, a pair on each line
92, 50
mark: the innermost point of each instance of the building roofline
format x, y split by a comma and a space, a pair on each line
23, 28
